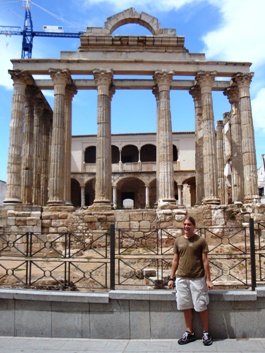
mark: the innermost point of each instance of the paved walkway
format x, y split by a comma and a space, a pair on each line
75, 345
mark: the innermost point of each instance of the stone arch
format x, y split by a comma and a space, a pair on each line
132, 16
75, 193
131, 188
90, 191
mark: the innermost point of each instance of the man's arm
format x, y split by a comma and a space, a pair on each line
207, 270
174, 267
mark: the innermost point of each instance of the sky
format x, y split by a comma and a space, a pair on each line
225, 30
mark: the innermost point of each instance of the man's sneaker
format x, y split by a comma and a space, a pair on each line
207, 339
187, 338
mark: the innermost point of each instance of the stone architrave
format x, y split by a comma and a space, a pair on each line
27, 147
13, 186
205, 80
248, 142
220, 160
37, 144
69, 93
195, 92
165, 174
56, 179
232, 94
103, 79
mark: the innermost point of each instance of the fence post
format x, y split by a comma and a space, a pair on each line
252, 254
112, 256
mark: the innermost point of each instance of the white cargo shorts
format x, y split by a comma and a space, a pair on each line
192, 293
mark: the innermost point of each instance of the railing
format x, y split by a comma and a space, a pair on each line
99, 261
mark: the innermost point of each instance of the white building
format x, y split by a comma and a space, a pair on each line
133, 169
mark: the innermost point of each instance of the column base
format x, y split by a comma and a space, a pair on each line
101, 205
211, 200
252, 199
167, 204
12, 200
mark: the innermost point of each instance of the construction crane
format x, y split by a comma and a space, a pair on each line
28, 33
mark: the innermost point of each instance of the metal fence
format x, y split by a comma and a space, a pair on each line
126, 259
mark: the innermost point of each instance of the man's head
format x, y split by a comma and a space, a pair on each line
189, 226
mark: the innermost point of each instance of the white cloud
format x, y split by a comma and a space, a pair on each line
241, 33
8, 49
152, 5
258, 110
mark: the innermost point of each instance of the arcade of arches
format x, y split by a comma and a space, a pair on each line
133, 170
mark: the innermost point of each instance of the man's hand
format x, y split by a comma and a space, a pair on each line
209, 284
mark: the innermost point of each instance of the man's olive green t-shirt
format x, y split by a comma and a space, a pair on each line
190, 256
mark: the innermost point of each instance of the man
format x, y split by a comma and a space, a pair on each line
193, 280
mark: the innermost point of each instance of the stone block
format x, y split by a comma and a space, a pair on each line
33, 319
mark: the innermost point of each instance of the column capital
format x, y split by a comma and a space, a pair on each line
243, 80
103, 80
195, 92
60, 78
205, 78
70, 90
232, 94
155, 92
163, 79
21, 76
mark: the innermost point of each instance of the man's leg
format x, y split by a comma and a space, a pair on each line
204, 319
188, 319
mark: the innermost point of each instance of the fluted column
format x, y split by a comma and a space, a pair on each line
27, 147
220, 160
195, 92
69, 93
232, 94
248, 143
155, 92
205, 80
13, 186
46, 128
37, 144
103, 80
56, 179
165, 173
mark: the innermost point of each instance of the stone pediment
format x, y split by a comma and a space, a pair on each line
160, 39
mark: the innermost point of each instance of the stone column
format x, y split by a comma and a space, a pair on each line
69, 93
248, 143
46, 128
56, 180
155, 92
227, 158
27, 147
232, 94
165, 173
13, 185
220, 160
205, 80
180, 199
103, 80
83, 196
195, 92
114, 196
147, 203
37, 144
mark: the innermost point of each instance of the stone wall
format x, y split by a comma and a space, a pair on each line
63, 219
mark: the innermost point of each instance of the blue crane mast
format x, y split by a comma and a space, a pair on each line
28, 33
